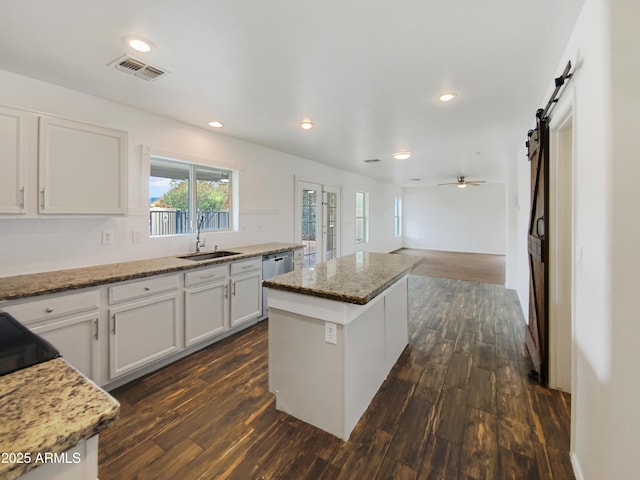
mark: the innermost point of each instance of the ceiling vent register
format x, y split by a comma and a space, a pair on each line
139, 69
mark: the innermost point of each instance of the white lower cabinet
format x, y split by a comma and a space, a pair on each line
146, 329
246, 291
142, 332
77, 339
206, 304
71, 323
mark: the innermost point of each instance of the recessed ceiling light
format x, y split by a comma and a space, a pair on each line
307, 124
216, 124
401, 155
139, 44
447, 97
415, 179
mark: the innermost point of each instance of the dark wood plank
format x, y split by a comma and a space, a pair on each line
482, 390
480, 446
450, 414
441, 460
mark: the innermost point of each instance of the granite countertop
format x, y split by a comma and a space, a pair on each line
355, 278
30, 285
38, 416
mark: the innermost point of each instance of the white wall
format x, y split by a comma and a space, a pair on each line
605, 100
458, 220
30, 245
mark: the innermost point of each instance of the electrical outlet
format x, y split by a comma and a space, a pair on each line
135, 236
107, 237
330, 333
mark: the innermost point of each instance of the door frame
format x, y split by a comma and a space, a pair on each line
561, 268
297, 213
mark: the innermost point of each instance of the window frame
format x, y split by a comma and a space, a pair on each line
192, 180
364, 217
397, 216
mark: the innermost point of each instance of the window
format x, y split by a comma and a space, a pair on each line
397, 216
178, 189
362, 217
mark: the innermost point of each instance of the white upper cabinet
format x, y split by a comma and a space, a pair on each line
13, 160
81, 168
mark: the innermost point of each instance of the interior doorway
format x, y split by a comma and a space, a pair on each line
561, 255
317, 221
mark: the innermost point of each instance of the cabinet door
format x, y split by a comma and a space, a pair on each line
13, 158
246, 298
206, 311
142, 332
81, 168
77, 339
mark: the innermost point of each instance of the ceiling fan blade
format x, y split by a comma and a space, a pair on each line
442, 184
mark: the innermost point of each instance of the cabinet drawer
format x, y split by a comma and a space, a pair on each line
206, 275
142, 288
55, 306
246, 266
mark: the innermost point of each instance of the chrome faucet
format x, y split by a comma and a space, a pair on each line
198, 228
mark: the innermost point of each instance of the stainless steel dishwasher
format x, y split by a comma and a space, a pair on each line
272, 265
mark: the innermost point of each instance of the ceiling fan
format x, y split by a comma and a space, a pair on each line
463, 182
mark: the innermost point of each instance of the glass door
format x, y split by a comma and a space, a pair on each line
331, 222
317, 221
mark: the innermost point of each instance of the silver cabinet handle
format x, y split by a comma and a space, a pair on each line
226, 291
234, 289
42, 197
97, 334
114, 323
211, 275
49, 310
22, 197
147, 288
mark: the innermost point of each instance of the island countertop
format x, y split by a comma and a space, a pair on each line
355, 278
33, 284
49, 408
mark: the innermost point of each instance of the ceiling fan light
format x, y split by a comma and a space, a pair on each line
401, 155
462, 185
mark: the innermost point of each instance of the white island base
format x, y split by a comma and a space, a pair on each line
330, 385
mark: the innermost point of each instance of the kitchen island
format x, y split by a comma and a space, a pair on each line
335, 332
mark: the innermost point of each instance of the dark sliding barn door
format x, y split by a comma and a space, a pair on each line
537, 334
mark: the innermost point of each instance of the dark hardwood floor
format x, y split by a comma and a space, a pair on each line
457, 405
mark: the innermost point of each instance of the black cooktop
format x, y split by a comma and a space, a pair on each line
20, 347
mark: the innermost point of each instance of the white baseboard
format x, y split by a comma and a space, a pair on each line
577, 471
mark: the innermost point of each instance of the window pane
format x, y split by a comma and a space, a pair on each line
168, 198
397, 216
212, 198
331, 249
309, 226
362, 214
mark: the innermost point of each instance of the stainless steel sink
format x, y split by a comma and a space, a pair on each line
198, 257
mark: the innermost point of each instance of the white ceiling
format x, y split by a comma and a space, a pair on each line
366, 72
